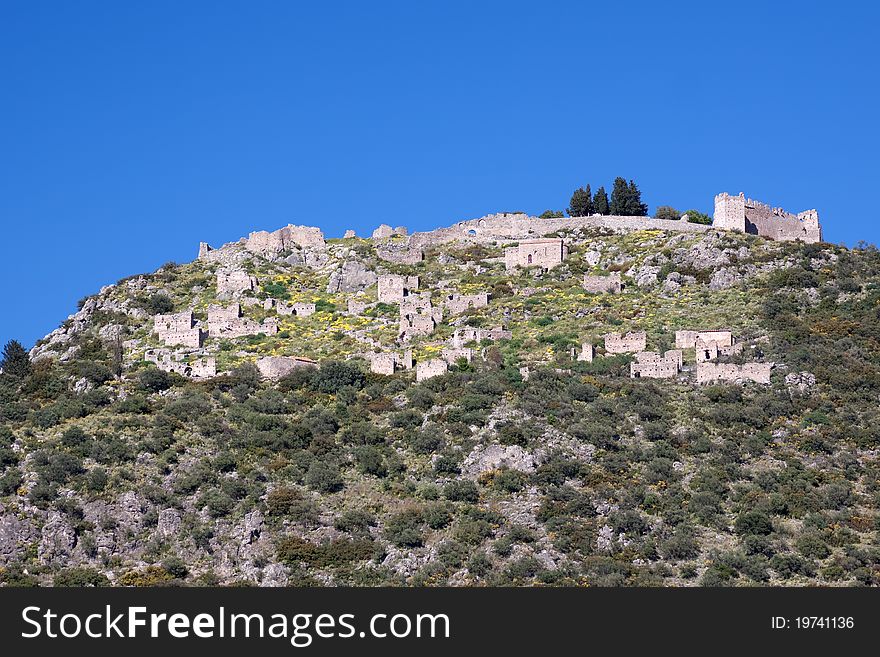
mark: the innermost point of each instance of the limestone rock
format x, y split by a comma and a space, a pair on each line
352, 276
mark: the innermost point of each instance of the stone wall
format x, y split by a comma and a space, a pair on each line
510, 226
275, 367
384, 231
586, 353
453, 354
757, 218
634, 342
394, 288
430, 368
708, 372
603, 284
202, 367
545, 253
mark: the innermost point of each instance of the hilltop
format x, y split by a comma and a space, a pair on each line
510, 400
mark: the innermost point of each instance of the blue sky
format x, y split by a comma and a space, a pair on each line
131, 131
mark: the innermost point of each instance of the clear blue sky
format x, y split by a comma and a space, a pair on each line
131, 131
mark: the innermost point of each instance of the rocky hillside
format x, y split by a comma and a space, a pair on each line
521, 466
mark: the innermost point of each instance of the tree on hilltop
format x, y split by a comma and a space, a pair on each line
667, 212
600, 202
626, 199
15, 361
551, 214
581, 204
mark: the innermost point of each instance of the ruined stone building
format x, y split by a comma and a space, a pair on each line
430, 368
298, 309
389, 362
687, 338
467, 334
284, 239
546, 253
453, 354
177, 329
276, 367
458, 303
652, 365
385, 231
201, 367
233, 283
586, 352
394, 288
704, 351
610, 284
227, 322
750, 216
634, 342
708, 372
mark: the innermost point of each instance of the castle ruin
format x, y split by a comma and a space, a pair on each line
284, 239
749, 216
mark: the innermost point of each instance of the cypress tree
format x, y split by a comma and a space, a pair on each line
15, 361
581, 204
620, 197
634, 205
600, 201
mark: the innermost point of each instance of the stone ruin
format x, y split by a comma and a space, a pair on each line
458, 303
227, 322
177, 329
610, 284
708, 344
418, 316
387, 362
652, 365
201, 367
276, 367
284, 239
688, 338
384, 231
430, 368
233, 283
349, 234
298, 309
757, 372
467, 334
546, 253
394, 289
453, 354
749, 216
586, 353
633, 342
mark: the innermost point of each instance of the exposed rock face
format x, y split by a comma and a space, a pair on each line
15, 531
800, 380
492, 457
352, 276
57, 540
724, 278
